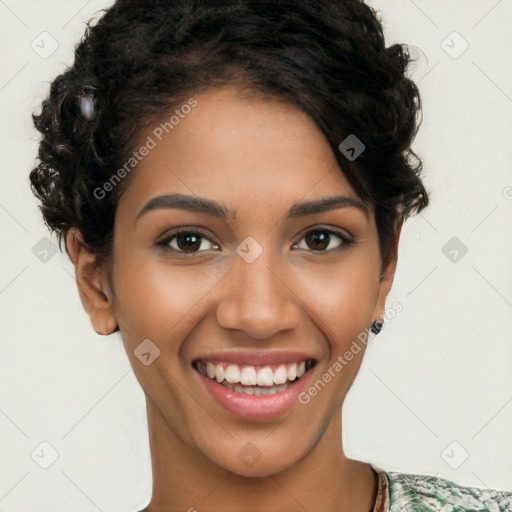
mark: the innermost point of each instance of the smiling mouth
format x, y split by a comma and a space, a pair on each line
254, 380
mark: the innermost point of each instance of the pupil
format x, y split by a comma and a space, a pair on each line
317, 237
188, 241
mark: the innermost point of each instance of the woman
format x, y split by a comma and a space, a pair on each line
230, 181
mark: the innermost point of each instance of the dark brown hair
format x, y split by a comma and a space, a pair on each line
142, 59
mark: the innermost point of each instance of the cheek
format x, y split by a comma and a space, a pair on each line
342, 297
157, 299
343, 304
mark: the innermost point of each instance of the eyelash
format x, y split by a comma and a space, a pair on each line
347, 241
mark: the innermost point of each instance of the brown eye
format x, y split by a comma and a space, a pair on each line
322, 240
187, 242
318, 240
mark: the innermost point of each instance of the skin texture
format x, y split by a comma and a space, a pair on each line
240, 152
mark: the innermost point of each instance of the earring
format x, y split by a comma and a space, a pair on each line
376, 327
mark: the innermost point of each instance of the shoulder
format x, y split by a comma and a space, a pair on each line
421, 493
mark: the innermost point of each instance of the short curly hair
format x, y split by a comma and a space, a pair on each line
142, 59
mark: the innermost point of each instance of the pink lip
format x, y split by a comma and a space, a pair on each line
256, 358
256, 406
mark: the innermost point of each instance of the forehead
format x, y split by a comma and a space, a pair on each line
238, 150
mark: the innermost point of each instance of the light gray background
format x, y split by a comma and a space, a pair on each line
435, 385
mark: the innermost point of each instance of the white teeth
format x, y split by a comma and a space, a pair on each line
256, 390
219, 373
280, 375
292, 372
265, 377
248, 375
210, 369
233, 373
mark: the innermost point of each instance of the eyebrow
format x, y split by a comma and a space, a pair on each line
218, 210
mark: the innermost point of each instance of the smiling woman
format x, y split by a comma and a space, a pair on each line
231, 179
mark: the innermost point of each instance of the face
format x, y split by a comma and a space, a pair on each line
230, 257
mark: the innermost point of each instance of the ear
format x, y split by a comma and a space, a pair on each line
93, 283
388, 273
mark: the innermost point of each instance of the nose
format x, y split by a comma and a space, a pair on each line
258, 300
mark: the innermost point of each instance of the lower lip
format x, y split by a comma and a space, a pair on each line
256, 406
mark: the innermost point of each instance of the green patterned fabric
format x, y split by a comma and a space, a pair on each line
404, 492
419, 493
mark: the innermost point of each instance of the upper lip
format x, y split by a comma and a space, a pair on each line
256, 357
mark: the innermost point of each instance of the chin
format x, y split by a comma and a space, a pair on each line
249, 461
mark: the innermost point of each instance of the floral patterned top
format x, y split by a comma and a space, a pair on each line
402, 492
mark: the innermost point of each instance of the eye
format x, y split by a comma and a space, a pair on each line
191, 242
187, 242
318, 241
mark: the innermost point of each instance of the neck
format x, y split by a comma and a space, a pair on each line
324, 479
